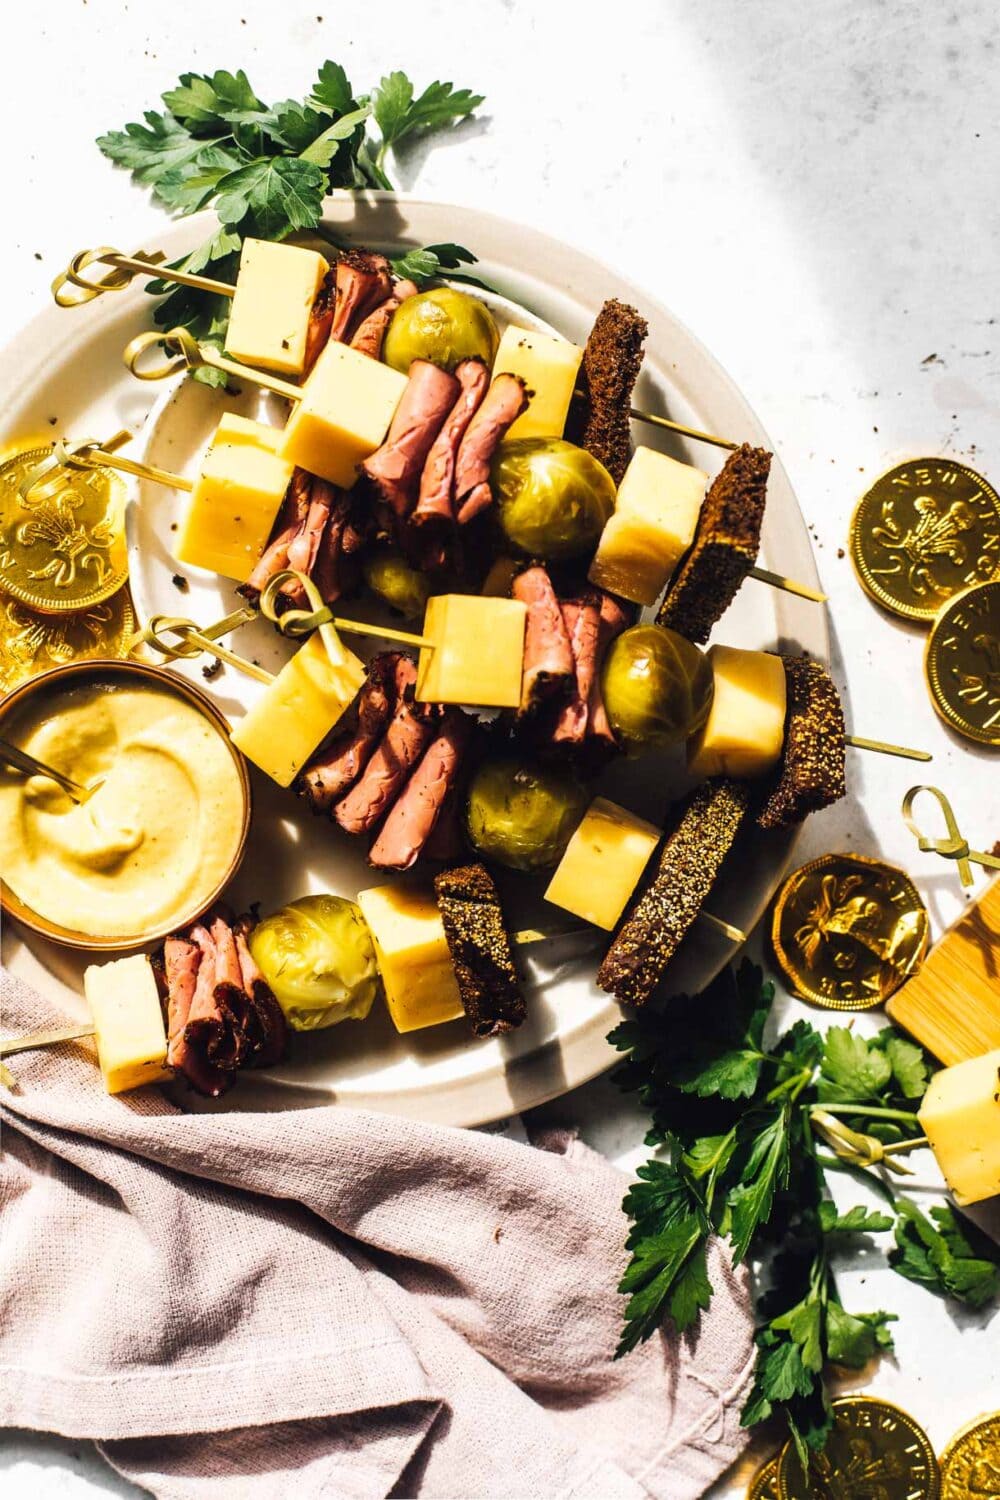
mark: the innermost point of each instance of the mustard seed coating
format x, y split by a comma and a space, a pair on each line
480, 949
724, 549
600, 418
692, 855
813, 759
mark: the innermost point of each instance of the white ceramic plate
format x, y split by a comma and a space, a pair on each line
66, 366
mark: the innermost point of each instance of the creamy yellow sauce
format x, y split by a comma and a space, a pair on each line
153, 841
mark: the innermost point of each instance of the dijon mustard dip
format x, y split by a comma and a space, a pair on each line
158, 835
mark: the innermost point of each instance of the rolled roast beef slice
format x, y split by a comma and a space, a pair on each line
396, 467
338, 765
412, 819
180, 966
270, 1018
548, 654
436, 500
408, 733
320, 319
582, 618
370, 333
204, 1027
614, 617
290, 519
363, 279
503, 403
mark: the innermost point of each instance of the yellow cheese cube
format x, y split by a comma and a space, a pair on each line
300, 707
479, 652
347, 404
269, 319
960, 1116
548, 366
602, 863
235, 499
745, 728
652, 526
129, 1032
413, 958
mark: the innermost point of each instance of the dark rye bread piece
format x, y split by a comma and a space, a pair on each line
480, 949
724, 549
692, 855
812, 773
599, 419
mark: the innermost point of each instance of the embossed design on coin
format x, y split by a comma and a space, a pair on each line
925, 531
847, 931
963, 664
876, 1451
62, 547
970, 1464
31, 643
764, 1484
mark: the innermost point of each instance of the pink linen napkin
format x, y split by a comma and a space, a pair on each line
337, 1303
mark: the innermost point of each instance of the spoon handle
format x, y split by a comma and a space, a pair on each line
21, 761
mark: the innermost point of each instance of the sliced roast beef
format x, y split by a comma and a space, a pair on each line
290, 520
548, 655
271, 1027
409, 732
503, 403
320, 319
336, 768
370, 333
437, 482
395, 468
447, 840
364, 279
180, 967
582, 617
203, 1054
336, 568
614, 616
412, 819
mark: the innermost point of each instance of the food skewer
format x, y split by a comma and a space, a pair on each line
955, 846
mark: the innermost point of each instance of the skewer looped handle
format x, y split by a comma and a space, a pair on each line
299, 622
191, 641
124, 270
194, 356
955, 846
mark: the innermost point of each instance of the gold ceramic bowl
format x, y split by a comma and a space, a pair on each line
129, 672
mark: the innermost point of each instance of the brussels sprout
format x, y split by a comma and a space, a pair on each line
403, 588
317, 956
553, 498
441, 325
657, 687
523, 815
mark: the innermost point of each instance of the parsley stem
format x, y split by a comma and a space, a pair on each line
870, 1111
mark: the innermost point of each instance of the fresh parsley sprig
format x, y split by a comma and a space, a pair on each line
743, 1126
266, 169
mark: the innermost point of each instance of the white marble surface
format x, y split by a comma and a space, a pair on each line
811, 188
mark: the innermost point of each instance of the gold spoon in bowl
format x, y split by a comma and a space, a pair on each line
20, 760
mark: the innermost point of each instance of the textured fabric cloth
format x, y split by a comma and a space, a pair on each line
330, 1302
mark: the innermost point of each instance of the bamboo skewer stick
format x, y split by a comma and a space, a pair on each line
884, 747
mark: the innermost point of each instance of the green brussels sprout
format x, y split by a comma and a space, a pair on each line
523, 815
442, 325
553, 498
403, 588
317, 956
657, 687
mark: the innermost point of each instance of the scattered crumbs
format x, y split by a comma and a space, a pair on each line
497, 1233
173, 526
212, 670
874, 429
38, 255
284, 343
180, 582
255, 661
237, 518
841, 552
53, 421
931, 359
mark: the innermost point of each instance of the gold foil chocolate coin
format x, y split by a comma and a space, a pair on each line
924, 532
62, 547
970, 1464
764, 1484
874, 1449
847, 931
962, 664
31, 643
